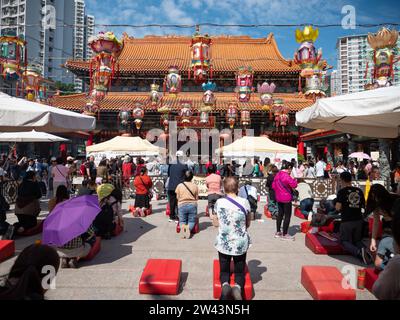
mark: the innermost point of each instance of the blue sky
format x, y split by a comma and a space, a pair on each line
245, 12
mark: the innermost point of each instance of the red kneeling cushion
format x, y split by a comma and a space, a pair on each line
248, 285
161, 276
267, 213
322, 245
371, 275
298, 214
95, 249
305, 226
7, 249
325, 283
196, 228
329, 228
33, 231
370, 224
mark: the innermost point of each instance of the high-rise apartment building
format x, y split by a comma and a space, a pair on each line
355, 65
48, 47
84, 29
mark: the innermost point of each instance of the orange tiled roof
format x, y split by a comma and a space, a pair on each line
155, 54
114, 101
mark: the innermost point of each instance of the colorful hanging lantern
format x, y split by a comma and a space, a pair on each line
155, 96
107, 49
12, 57
201, 55
384, 45
31, 83
208, 101
173, 81
284, 117
231, 114
245, 117
90, 109
138, 115
266, 91
208, 96
309, 61
277, 111
307, 56
164, 110
185, 112
124, 116
244, 83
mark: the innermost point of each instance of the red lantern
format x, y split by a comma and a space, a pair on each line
201, 54
102, 67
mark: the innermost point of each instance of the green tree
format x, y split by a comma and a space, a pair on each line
65, 88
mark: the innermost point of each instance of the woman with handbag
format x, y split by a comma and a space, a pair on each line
283, 186
187, 194
232, 219
142, 184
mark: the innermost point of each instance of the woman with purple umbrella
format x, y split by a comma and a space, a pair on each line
69, 229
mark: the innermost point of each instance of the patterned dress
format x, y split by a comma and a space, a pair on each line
233, 238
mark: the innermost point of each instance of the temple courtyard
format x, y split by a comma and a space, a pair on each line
275, 265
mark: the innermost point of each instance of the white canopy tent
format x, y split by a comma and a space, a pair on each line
18, 114
30, 136
372, 113
120, 146
262, 147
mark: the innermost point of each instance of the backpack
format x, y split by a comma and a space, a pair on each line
252, 201
103, 223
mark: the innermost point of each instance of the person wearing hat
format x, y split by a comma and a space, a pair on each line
176, 175
110, 213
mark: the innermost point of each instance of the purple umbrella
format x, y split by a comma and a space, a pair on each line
70, 219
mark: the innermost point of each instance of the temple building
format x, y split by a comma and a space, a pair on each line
144, 64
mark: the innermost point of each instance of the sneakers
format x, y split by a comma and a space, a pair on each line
73, 263
278, 235
226, 292
288, 237
9, 235
365, 256
236, 292
64, 263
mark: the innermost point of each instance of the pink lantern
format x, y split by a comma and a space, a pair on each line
244, 83
266, 91
201, 52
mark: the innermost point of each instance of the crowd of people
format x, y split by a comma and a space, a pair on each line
231, 208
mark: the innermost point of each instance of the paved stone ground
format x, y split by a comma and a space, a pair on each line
275, 265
